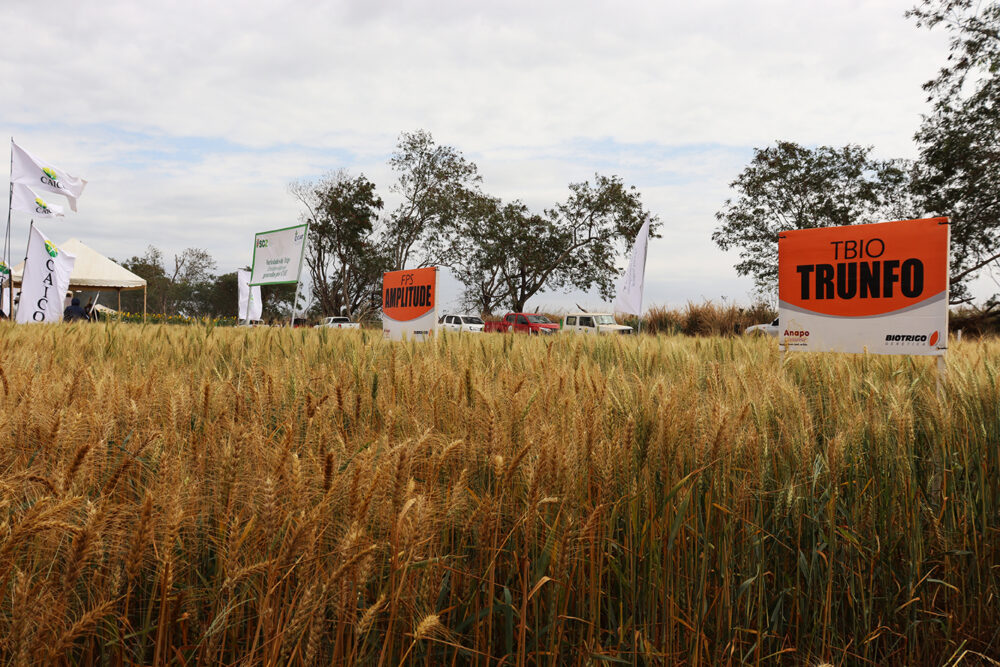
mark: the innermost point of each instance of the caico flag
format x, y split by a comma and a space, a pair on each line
45, 280
27, 169
249, 297
24, 199
629, 297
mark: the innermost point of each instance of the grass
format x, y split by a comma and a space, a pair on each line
198, 495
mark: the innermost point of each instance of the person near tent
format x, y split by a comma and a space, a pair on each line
75, 312
89, 309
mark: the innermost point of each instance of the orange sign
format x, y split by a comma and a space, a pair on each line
407, 295
863, 270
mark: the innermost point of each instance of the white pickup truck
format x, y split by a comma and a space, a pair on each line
593, 323
338, 322
458, 323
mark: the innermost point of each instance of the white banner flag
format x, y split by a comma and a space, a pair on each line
249, 296
29, 170
25, 200
629, 297
45, 281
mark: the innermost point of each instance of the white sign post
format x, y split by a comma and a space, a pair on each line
278, 256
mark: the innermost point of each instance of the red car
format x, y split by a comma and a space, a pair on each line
529, 323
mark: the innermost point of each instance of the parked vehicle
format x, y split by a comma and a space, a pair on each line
338, 322
530, 323
763, 329
457, 323
594, 323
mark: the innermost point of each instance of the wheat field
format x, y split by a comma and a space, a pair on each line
197, 495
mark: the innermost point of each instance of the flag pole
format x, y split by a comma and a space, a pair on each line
6, 242
298, 278
27, 249
645, 252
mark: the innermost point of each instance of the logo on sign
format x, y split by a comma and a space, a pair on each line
262, 243
912, 339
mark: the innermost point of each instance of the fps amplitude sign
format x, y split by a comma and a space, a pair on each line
881, 288
409, 303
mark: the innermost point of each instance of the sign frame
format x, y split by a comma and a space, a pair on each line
409, 315
302, 255
878, 288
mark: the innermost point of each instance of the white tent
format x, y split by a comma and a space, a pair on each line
94, 271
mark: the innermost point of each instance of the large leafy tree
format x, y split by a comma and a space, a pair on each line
788, 186
958, 173
434, 183
344, 258
504, 254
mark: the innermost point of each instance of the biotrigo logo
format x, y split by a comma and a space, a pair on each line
41, 207
51, 248
912, 339
51, 179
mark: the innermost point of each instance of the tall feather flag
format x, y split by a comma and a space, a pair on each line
29, 170
629, 297
249, 297
44, 280
26, 200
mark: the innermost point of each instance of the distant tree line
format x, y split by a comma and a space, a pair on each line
957, 174
187, 285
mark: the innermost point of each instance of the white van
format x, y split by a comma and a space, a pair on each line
594, 323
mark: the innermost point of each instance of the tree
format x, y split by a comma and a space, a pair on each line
192, 274
958, 173
789, 186
435, 183
504, 254
175, 292
345, 260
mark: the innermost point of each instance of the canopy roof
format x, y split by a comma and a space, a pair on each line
92, 270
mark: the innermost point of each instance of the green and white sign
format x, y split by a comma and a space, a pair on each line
278, 255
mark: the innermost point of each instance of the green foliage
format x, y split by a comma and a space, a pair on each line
345, 260
435, 183
186, 290
958, 173
788, 186
504, 254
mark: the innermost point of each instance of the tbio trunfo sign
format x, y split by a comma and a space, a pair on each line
277, 255
880, 288
409, 303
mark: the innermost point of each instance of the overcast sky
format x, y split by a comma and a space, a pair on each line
189, 119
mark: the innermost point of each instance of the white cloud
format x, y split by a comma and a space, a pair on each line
189, 118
